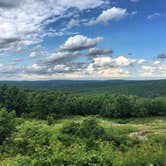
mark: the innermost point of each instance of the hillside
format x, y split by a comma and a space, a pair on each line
151, 88
109, 142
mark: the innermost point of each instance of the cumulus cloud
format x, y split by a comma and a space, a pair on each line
27, 22
80, 42
38, 54
9, 71
156, 69
38, 51
113, 13
66, 65
65, 56
54, 69
24, 22
121, 61
72, 23
60, 57
67, 62
106, 67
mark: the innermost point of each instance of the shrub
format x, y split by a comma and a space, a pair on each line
30, 136
89, 128
50, 120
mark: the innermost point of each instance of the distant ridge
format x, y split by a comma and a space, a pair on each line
136, 87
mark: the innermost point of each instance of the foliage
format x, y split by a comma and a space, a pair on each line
89, 128
149, 88
41, 132
7, 124
80, 141
31, 136
48, 104
13, 99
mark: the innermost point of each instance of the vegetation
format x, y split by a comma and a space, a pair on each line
47, 128
85, 141
7, 125
153, 88
44, 104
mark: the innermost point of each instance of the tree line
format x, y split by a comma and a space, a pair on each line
43, 104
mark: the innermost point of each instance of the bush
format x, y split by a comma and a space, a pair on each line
30, 136
50, 120
71, 129
89, 128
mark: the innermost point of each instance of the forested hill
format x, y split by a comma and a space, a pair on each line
141, 88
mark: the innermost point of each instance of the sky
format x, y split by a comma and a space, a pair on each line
82, 40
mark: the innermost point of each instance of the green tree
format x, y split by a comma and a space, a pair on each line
13, 98
117, 106
7, 124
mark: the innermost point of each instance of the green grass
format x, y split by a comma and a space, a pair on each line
155, 124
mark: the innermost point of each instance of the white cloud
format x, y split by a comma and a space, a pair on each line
36, 67
106, 68
72, 23
113, 13
9, 71
61, 65
79, 42
156, 69
84, 4
23, 22
153, 16
121, 61
38, 54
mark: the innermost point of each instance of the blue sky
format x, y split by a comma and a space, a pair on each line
70, 39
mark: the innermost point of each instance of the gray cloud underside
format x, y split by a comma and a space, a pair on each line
94, 52
162, 56
9, 3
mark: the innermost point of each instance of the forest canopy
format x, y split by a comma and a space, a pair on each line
41, 104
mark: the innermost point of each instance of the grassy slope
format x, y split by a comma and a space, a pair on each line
124, 126
155, 126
